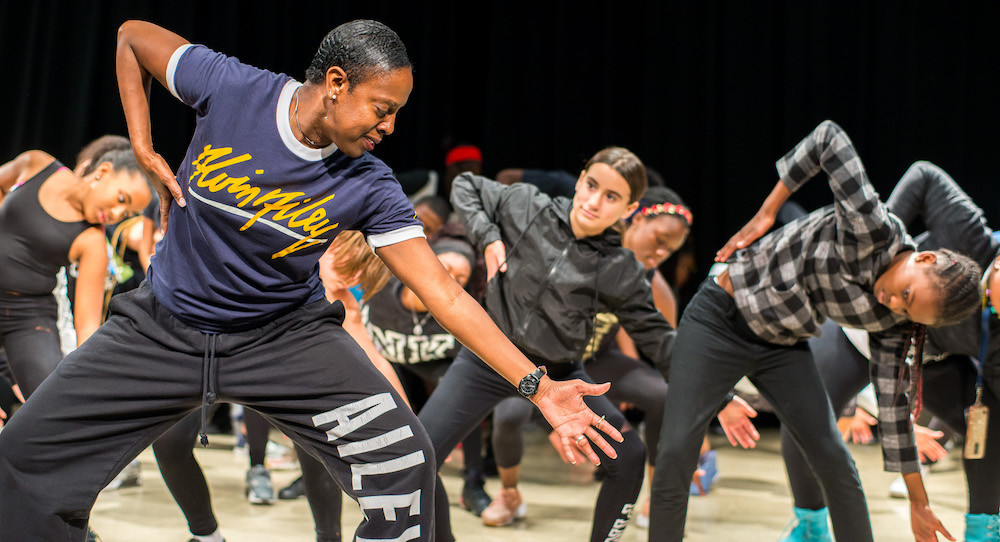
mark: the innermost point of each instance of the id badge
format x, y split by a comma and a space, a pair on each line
975, 434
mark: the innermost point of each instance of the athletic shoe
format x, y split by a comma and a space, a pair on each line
809, 525
293, 490
982, 528
130, 476
474, 498
642, 517
504, 509
279, 457
259, 489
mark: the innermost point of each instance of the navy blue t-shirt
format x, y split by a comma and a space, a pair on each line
261, 206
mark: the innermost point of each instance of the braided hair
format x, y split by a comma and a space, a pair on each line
957, 276
361, 48
915, 338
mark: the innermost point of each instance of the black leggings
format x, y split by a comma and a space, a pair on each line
257, 432
949, 388
637, 382
430, 373
632, 381
469, 391
186, 481
29, 334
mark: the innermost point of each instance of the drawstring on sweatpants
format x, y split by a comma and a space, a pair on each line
209, 375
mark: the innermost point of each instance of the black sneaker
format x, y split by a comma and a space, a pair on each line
294, 490
474, 498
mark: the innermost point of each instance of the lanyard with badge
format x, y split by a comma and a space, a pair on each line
979, 414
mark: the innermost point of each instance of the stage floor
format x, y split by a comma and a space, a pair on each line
750, 502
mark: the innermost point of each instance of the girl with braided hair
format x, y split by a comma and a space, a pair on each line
948, 360
852, 263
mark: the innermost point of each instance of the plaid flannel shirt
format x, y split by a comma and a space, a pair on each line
824, 265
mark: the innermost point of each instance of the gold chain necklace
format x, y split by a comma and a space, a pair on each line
311, 142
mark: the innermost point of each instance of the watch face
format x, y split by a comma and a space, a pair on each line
529, 385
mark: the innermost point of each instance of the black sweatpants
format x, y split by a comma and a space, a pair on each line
144, 370
431, 372
715, 348
469, 391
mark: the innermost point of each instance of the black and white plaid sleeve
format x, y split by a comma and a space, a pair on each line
863, 220
899, 447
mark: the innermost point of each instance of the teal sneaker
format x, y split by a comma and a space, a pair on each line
982, 528
810, 525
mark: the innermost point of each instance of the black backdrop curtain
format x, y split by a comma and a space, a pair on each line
708, 93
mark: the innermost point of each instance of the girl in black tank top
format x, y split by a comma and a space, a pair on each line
49, 218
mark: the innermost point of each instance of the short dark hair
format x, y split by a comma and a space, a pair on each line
627, 165
361, 48
437, 204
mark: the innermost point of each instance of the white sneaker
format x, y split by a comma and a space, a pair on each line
642, 516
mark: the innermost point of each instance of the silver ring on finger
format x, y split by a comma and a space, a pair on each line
599, 422
580, 439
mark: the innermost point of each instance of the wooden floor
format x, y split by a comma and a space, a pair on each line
749, 503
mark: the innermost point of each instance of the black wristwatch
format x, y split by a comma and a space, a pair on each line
529, 384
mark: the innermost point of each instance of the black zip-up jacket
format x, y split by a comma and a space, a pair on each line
555, 283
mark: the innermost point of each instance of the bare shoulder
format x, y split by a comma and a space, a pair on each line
90, 246
23, 167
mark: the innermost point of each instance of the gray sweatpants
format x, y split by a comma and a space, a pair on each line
144, 370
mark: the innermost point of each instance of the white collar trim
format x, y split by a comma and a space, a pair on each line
285, 127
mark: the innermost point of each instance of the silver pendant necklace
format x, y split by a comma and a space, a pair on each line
418, 327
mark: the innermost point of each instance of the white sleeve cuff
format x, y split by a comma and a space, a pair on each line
377, 240
172, 67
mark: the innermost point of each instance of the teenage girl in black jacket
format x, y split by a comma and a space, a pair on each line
563, 266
